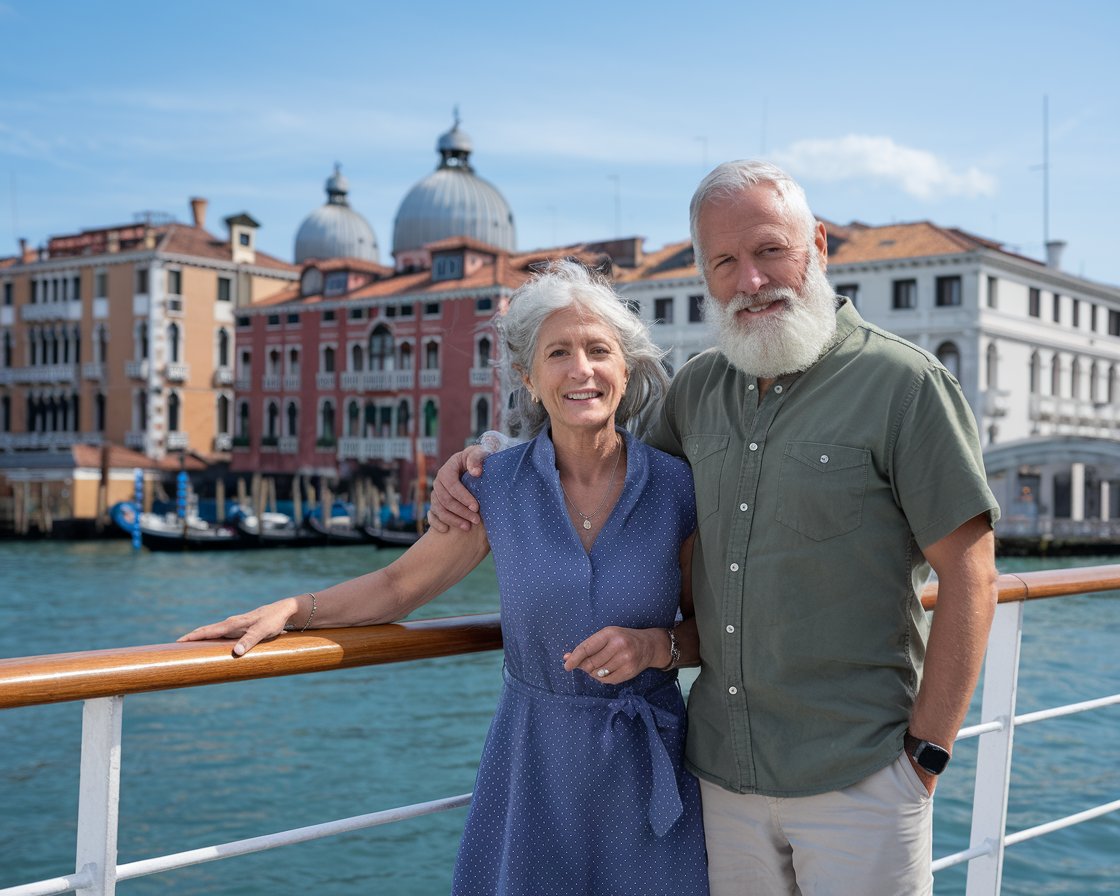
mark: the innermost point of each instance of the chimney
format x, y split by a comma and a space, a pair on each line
198, 212
1054, 250
26, 253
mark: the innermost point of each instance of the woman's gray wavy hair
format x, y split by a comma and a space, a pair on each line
565, 284
734, 177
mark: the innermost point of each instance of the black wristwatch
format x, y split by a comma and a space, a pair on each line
929, 757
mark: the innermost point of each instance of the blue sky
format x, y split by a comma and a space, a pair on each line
593, 119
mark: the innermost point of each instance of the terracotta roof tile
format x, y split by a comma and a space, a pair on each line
917, 239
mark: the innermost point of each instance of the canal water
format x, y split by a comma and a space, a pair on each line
209, 765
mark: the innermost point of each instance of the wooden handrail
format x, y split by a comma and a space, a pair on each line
62, 677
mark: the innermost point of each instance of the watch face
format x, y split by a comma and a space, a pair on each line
931, 757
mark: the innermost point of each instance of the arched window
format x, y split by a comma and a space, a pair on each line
223, 414
142, 340
1075, 379
5, 413
381, 348
431, 355
991, 364
1094, 383
385, 421
102, 345
293, 362
1035, 373
1056, 376
483, 359
173, 343
328, 359
293, 419
481, 416
353, 420
140, 411
173, 412
356, 359
223, 348
369, 421
274, 362
7, 349
403, 419
74, 423
99, 412
949, 355
1112, 394
431, 419
243, 420
406, 356
272, 415
326, 421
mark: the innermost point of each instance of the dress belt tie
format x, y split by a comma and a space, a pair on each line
665, 805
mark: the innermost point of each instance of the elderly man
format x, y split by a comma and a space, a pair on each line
835, 465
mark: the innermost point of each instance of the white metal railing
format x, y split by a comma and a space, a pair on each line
99, 783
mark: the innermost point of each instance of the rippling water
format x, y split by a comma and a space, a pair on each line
208, 765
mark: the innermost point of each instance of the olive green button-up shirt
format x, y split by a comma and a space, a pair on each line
813, 506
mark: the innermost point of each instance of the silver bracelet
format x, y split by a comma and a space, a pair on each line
674, 651
311, 615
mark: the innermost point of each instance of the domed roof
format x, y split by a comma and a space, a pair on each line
335, 230
453, 201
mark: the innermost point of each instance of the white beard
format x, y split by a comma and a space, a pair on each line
788, 341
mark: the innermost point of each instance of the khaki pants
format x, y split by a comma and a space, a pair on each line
874, 838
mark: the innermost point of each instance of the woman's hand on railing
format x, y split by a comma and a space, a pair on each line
261, 624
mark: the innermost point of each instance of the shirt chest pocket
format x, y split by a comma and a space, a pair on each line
705, 455
821, 488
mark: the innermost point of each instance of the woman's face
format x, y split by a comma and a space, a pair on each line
578, 370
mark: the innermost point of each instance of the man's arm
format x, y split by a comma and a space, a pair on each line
964, 561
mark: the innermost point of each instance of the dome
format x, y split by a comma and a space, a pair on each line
453, 201
335, 230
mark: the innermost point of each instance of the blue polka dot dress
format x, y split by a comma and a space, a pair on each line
581, 787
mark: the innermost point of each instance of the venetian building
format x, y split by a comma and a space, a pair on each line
452, 201
335, 230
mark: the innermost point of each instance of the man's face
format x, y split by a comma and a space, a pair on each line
772, 305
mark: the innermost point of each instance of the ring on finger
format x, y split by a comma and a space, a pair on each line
603, 673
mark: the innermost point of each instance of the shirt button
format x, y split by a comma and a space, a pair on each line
730, 629
743, 507
750, 387
733, 690
778, 389
824, 458
753, 446
734, 567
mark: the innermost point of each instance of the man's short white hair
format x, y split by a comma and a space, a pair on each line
730, 178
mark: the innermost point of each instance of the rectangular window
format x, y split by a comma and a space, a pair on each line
225, 289
662, 311
904, 294
851, 290
273, 320
993, 292
328, 316
244, 320
293, 318
1034, 303
431, 309
100, 285
695, 309
1093, 318
142, 281
1113, 323
1057, 308
175, 283
7, 293
357, 314
243, 238
1075, 310
948, 292
486, 304
389, 310
75, 289
407, 310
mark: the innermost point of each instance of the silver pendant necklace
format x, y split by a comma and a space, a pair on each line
587, 518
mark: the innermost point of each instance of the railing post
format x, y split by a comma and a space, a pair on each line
99, 790
993, 759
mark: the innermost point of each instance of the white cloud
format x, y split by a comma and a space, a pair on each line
855, 157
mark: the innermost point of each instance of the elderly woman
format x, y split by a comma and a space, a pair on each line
581, 787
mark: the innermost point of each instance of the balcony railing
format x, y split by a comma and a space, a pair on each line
135, 439
177, 441
104, 678
291, 382
430, 379
223, 442
52, 311
44, 373
289, 445
324, 380
177, 373
353, 448
223, 376
136, 370
482, 376
270, 382
93, 371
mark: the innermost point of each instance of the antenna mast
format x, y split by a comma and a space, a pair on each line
1045, 172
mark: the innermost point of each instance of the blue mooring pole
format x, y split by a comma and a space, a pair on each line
138, 487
